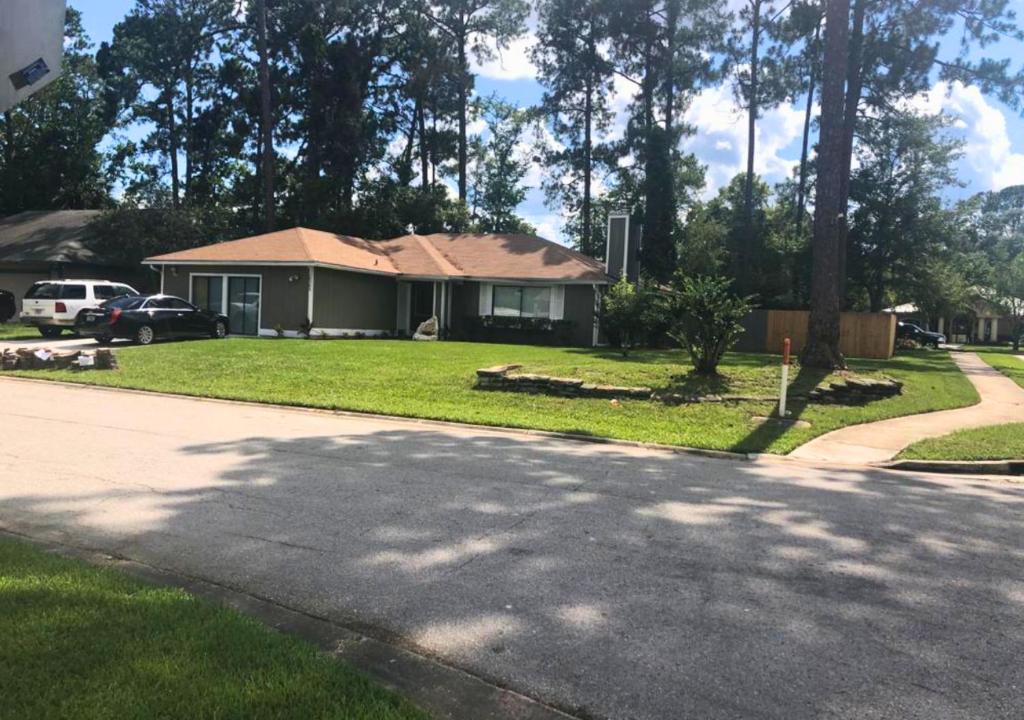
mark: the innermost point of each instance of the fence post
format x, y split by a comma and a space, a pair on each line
785, 378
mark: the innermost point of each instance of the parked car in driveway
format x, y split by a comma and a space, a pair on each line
53, 305
147, 318
910, 331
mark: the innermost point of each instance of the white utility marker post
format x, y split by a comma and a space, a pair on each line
785, 378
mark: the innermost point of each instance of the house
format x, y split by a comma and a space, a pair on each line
479, 286
983, 322
51, 245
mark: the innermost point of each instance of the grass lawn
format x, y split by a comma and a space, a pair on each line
998, 442
84, 642
16, 331
435, 380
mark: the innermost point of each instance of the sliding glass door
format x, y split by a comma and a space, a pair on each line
243, 305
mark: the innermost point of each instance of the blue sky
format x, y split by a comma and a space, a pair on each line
994, 134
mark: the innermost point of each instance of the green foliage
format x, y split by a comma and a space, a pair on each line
127, 235
500, 165
49, 144
629, 313
706, 319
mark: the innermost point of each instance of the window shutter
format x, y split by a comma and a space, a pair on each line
557, 302
486, 298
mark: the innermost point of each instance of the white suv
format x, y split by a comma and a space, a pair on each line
52, 305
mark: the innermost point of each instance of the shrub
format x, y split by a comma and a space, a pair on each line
706, 319
628, 314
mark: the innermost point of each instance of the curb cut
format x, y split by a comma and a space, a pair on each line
957, 467
445, 692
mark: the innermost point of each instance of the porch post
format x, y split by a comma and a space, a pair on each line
995, 330
942, 324
981, 330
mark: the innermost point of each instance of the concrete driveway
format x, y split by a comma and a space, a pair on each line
612, 582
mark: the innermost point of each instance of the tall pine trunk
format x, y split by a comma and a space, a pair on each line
424, 149
752, 108
172, 133
801, 190
854, 85
822, 349
463, 102
266, 120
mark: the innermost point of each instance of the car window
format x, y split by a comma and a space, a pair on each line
103, 292
157, 303
123, 290
127, 303
177, 304
72, 292
43, 291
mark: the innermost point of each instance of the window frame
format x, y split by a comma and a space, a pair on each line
522, 296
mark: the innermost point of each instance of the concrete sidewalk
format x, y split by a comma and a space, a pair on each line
1002, 401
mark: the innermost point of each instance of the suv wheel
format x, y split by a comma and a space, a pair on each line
48, 331
145, 335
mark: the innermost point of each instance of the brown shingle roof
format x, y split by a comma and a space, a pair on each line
468, 255
297, 245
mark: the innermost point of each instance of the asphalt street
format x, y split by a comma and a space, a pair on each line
609, 581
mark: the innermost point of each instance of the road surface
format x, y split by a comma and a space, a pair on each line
612, 582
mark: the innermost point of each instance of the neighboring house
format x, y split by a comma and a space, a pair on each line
48, 245
479, 286
983, 323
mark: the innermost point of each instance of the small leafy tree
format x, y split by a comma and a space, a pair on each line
628, 314
706, 319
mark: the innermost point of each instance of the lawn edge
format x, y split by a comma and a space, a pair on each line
508, 429
441, 689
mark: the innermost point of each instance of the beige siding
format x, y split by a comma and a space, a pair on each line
354, 301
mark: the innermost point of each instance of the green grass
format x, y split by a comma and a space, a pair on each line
84, 642
996, 442
15, 331
435, 380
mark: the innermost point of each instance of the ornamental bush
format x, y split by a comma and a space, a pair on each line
706, 319
628, 314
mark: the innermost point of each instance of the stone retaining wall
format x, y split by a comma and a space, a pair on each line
27, 359
500, 378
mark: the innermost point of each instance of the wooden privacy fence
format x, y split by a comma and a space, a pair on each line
864, 335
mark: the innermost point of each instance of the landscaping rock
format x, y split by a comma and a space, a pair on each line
427, 330
856, 390
497, 370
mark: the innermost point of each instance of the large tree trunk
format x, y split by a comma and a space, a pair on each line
854, 85
586, 242
822, 349
189, 134
266, 120
424, 149
463, 102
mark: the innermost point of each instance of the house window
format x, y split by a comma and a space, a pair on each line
207, 292
520, 301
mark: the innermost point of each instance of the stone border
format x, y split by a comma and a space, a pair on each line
500, 377
47, 359
442, 690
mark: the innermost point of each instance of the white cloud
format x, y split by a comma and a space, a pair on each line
511, 63
988, 153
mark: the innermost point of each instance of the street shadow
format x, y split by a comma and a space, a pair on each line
609, 582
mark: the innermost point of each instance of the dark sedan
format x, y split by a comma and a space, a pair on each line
910, 331
145, 318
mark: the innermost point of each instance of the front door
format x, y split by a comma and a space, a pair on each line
421, 304
243, 306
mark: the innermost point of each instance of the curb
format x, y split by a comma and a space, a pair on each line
444, 691
957, 467
501, 429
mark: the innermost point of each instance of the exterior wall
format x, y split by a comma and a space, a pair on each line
282, 301
578, 309
354, 301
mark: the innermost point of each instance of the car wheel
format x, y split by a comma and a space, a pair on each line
145, 335
220, 329
49, 332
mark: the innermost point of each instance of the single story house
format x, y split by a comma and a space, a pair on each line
480, 286
51, 245
982, 323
